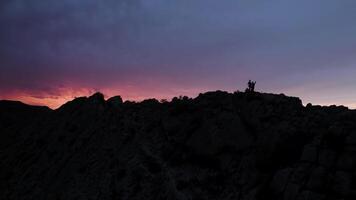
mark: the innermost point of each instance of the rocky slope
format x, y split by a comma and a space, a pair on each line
217, 146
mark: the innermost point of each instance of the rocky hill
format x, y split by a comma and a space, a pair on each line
217, 146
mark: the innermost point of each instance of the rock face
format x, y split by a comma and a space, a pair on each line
217, 146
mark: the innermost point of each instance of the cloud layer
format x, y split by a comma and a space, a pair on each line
160, 48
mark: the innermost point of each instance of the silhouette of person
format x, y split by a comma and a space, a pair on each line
251, 86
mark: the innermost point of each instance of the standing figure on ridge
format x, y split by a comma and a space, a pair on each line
251, 86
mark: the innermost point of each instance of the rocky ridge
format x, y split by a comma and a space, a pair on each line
217, 146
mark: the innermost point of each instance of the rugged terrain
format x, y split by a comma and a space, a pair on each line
217, 146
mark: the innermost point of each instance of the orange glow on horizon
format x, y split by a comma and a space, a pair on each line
43, 99
55, 101
63, 95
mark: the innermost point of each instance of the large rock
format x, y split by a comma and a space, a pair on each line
216, 146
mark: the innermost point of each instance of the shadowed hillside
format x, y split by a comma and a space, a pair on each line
217, 146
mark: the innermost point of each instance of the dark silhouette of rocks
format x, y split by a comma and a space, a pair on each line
115, 101
216, 146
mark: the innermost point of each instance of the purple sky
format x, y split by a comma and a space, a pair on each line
51, 51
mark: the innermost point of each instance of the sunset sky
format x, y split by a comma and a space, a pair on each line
54, 50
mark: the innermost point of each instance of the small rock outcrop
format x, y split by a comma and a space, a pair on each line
217, 146
97, 98
115, 101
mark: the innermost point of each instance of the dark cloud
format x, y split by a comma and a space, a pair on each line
178, 43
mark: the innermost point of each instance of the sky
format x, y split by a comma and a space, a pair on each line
52, 51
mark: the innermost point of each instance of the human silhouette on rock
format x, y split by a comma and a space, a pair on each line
251, 86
